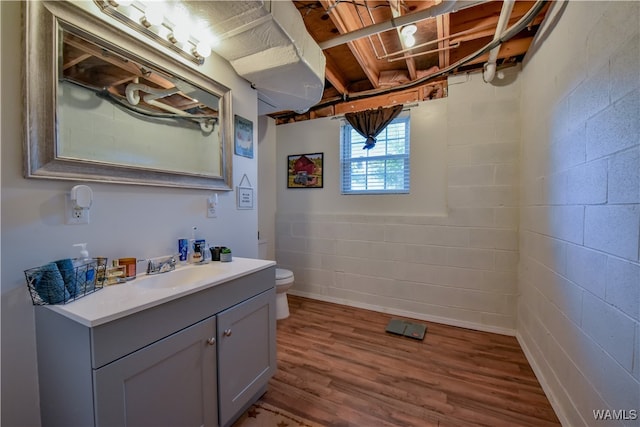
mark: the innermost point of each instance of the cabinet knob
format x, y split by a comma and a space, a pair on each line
211, 341
227, 332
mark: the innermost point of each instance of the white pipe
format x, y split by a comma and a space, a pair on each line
490, 67
205, 125
134, 97
151, 101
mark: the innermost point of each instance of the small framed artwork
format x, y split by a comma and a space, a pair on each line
245, 198
305, 170
243, 136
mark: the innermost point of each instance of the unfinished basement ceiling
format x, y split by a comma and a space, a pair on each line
379, 69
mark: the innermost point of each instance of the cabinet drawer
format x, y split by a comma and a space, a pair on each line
116, 339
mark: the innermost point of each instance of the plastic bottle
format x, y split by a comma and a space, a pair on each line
85, 269
84, 253
194, 256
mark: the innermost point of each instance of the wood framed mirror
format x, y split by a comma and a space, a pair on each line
101, 105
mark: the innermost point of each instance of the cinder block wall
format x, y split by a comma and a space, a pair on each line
578, 309
458, 267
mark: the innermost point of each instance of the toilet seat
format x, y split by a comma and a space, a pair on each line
283, 276
284, 280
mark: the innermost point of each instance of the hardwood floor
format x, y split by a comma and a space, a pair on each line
338, 367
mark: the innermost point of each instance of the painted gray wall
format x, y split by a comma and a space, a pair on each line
447, 251
579, 276
126, 220
267, 184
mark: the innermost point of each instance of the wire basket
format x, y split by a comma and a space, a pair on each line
65, 280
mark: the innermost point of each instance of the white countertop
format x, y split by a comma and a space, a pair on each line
116, 301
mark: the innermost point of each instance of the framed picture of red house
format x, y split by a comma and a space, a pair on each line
305, 170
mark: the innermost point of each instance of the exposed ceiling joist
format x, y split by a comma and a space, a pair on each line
374, 61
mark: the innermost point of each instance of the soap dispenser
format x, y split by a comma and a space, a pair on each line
84, 253
85, 269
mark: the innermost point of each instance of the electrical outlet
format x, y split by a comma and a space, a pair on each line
76, 216
211, 208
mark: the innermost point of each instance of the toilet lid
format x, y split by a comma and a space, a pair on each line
281, 274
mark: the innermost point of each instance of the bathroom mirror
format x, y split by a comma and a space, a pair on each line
102, 105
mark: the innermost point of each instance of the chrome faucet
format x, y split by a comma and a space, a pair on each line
161, 264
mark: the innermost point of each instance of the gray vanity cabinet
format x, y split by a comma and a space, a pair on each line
196, 360
246, 353
169, 383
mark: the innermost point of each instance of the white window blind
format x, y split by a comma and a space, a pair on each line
380, 170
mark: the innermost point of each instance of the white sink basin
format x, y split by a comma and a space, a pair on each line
189, 275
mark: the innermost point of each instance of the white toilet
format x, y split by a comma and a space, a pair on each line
284, 280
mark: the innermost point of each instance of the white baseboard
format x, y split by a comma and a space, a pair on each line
409, 314
548, 390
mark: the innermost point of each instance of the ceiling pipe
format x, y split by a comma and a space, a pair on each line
133, 96
446, 6
490, 67
522, 23
206, 125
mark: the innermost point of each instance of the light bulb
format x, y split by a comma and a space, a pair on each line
181, 33
203, 49
408, 30
153, 15
409, 41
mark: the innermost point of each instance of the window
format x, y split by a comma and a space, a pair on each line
382, 169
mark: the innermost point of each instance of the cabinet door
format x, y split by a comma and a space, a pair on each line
171, 382
246, 352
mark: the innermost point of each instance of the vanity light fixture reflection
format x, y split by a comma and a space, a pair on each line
150, 18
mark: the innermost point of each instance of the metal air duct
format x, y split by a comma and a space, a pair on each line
266, 43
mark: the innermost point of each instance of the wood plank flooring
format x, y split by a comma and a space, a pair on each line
338, 367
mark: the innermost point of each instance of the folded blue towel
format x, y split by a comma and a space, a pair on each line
49, 284
68, 272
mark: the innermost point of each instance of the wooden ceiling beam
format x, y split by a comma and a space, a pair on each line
71, 62
114, 59
442, 26
487, 28
334, 76
468, 23
513, 47
345, 22
433, 90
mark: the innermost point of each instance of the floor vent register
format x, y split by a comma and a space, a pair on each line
407, 329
